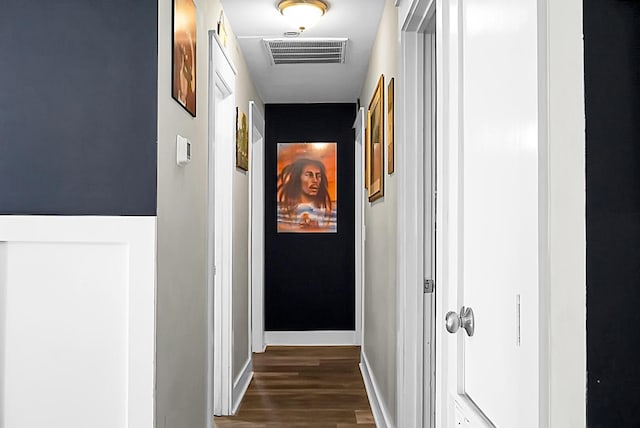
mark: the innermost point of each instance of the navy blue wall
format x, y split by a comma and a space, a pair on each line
612, 95
310, 277
78, 107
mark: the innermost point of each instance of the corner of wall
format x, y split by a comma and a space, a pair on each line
379, 308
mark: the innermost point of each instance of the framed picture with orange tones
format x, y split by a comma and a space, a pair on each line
376, 142
183, 72
390, 128
242, 141
367, 155
307, 181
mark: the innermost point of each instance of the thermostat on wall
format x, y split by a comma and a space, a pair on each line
183, 151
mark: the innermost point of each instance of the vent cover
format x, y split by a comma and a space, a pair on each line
306, 51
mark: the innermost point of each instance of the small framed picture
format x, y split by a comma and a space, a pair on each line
242, 141
390, 128
183, 73
376, 142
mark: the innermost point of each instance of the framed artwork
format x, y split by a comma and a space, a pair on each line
390, 128
222, 30
242, 141
183, 73
306, 196
367, 155
376, 142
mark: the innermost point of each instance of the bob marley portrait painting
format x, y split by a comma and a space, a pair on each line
307, 188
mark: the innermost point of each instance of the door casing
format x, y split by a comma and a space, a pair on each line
221, 151
256, 232
414, 19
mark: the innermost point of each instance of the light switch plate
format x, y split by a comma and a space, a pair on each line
183, 151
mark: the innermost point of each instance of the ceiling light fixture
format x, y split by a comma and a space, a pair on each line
303, 13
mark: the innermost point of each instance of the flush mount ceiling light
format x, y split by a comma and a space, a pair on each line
302, 13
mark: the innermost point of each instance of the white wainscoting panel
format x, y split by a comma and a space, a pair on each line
77, 328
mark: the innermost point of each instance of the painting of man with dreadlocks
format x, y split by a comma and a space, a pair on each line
307, 183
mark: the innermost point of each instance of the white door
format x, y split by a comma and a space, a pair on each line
488, 253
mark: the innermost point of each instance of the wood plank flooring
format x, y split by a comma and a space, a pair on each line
306, 387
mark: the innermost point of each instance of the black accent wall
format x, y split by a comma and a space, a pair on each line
612, 94
310, 278
78, 107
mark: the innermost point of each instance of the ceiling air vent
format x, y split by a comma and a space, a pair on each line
306, 51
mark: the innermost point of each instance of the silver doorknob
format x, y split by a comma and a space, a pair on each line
464, 320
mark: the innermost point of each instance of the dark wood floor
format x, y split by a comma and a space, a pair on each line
304, 387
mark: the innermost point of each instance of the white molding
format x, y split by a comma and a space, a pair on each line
411, 207
139, 235
223, 50
359, 126
256, 231
378, 408
221, 150
310, 338
3, 304
241, 384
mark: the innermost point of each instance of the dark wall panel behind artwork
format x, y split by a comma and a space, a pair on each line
612, 93
78, 107
310, 278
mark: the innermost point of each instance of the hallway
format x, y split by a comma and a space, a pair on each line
190, 181
304, 387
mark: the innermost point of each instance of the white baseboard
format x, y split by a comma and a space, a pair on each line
378, 408
310, 338
241, 384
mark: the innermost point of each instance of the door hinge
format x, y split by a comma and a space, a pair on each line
429, 285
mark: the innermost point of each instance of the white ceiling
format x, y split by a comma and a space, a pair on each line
358, 20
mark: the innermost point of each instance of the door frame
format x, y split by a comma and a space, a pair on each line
413, 19
360, 128
256, 231
221, 152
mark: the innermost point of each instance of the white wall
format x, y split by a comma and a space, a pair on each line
379, 326
245, 92
182, 232
566, 291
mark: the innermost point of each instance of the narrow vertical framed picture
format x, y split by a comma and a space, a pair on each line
242, 141
376, 142
390, 128
183, 72
367, 154
307, 185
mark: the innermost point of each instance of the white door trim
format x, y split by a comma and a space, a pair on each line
359, 126
410, 256
256, 231
220, 226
